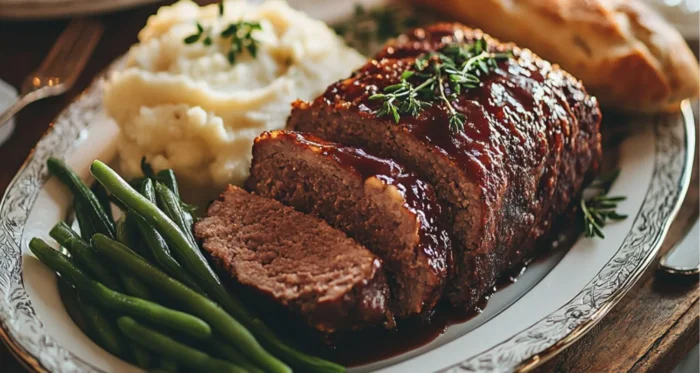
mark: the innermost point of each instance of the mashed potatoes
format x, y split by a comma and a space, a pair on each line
186, 107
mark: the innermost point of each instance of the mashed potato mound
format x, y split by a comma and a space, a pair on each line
184, 106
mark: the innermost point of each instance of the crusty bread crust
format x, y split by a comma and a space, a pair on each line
624, 53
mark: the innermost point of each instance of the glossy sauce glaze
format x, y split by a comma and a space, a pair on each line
522, 120
419, 197
514, 115
530, 139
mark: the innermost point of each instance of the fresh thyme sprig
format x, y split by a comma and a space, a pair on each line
439, 76
597, 210
240, 35
198, 35
401, 98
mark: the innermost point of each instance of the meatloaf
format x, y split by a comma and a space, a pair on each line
530, 139
374, 200
297, 260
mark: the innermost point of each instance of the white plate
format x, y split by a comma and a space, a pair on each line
555, 302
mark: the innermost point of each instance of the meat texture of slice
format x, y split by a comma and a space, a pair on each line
297, 260
530, 139
374, 200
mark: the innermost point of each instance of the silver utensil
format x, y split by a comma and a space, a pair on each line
61, 68
684, 257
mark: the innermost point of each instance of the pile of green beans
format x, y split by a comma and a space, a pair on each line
123, 278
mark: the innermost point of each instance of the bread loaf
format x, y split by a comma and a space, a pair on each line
624, 53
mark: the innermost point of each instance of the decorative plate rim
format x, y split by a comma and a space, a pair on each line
547, 337
577, 319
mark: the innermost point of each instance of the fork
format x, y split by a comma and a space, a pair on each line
61, 68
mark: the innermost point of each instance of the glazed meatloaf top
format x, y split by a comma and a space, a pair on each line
530, 137
296, 259
377, 201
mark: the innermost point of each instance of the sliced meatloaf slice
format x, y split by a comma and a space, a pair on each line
374, 200
297, 260
530, 137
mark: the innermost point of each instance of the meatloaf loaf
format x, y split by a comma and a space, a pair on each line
297, 260
530, 137
374, 200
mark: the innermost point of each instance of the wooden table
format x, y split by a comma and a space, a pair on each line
650, 330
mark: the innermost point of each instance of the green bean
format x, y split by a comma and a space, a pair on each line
87, 230
103, 197
69, 298
173, 209
148, 190
84, 255
191, 301
146, 310
231, 354
168, 178
141, 357
193, 260
132, 286
189, 222
290, 354
166, 346
128, 234
76, 310
82, 193
97, 327
122, 233
167, 365
190, 256
106, 335
161, 253
158, 246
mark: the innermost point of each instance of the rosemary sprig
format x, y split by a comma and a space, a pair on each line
598, 210
439, 76
240, 35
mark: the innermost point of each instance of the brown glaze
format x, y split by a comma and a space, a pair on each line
516, 114
531, 138
376, 344
418, 195
368, 345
